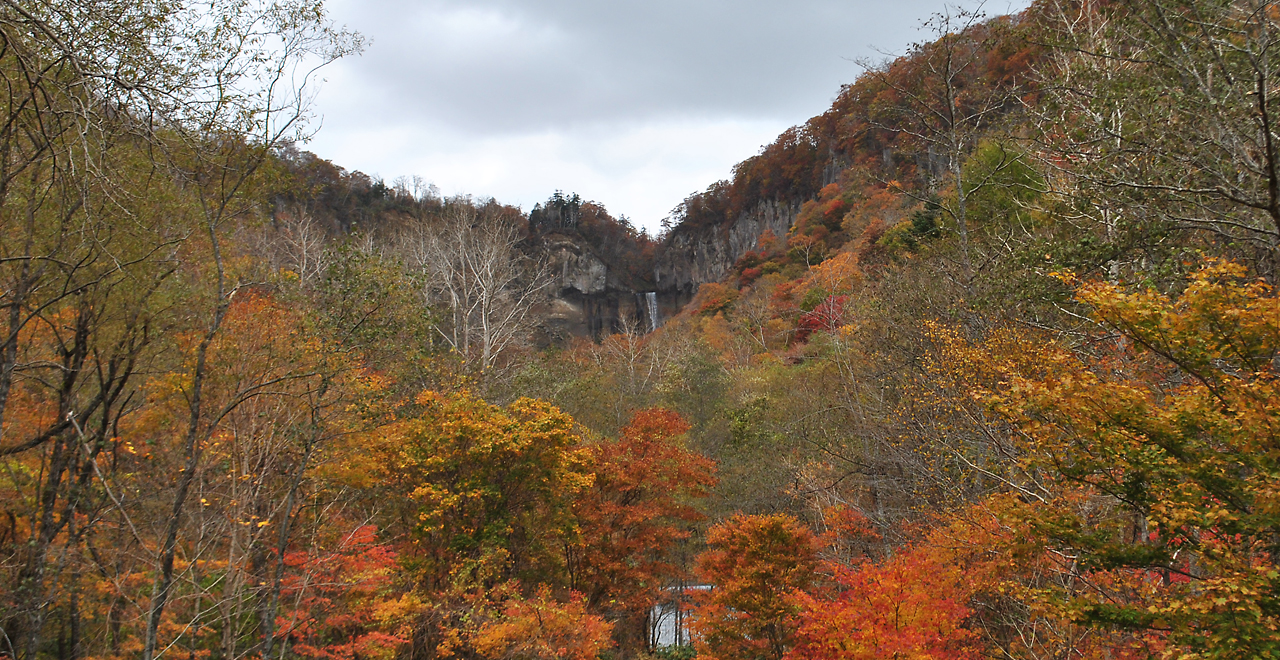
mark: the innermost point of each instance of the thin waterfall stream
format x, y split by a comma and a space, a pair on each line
655, 318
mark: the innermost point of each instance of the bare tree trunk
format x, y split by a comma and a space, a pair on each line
475, 269
192, 449
268, 614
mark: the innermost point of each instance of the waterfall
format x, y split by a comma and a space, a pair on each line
651, 301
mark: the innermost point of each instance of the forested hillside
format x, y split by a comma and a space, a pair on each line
982, 362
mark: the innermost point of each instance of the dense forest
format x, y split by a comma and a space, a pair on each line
1007, 387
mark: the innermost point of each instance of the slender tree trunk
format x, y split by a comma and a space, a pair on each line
62, 459
9, 352
268, 618
192, 450
962, 220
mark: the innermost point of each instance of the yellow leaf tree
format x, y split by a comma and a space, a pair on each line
1155, 466
487, 493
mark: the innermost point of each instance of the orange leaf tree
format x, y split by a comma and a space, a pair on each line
342, 602
912, 605
634, 518
543, 628
754, 564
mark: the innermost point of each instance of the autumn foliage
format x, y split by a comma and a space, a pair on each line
755, 565
639, 509
912, 605
544, 628
525, 538
992, 368
343, 603
1162, 482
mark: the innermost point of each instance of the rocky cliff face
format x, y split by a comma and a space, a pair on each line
586, 298
696, 255
589, 298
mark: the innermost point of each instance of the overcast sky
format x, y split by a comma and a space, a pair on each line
631, 104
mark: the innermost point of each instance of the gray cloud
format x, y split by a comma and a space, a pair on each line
632, 104
489, 66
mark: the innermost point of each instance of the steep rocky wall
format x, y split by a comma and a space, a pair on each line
574, 266
695, 256
589, 299
586, 298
